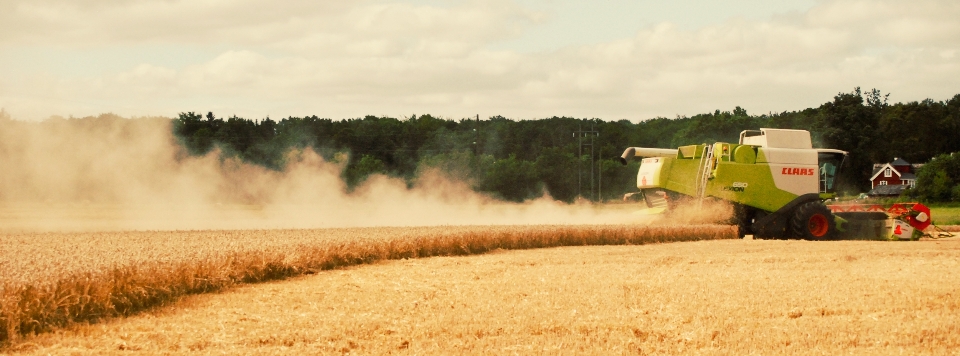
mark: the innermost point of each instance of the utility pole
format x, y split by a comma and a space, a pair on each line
476, 151
579, 158
598, 163
592, 161
580, 134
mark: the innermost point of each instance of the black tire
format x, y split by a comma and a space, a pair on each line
813, 221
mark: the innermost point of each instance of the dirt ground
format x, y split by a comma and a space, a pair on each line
710, 297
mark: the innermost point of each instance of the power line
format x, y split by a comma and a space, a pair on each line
580, 134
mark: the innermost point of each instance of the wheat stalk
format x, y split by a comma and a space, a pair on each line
54, 280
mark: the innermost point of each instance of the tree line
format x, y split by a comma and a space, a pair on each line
575, 157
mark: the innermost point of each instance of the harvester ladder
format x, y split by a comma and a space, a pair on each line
706, 165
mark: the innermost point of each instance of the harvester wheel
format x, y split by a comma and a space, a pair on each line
813, 221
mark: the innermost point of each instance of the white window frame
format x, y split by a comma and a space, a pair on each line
883, 182
887, 173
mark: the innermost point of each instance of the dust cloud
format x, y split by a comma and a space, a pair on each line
109, 173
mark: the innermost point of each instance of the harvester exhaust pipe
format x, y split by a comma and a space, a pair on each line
631, 152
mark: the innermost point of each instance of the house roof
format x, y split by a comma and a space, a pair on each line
886, 190
899, 162
877, 171
878, 168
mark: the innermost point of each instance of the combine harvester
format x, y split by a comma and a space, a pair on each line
778, 185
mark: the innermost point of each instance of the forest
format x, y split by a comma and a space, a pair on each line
576, 158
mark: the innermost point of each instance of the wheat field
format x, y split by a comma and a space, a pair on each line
53, 280
741, 297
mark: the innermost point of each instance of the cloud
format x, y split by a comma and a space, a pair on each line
366, 28
348, 59
789, 62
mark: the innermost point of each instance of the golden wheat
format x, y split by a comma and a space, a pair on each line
726, 297
54, 279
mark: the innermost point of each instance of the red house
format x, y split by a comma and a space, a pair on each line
892, 178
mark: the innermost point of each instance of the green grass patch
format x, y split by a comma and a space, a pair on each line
945, 215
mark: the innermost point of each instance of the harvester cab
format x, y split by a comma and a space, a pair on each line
775, 179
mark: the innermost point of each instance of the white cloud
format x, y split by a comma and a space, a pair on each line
347, 59
288, 25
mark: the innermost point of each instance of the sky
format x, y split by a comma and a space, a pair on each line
521, 59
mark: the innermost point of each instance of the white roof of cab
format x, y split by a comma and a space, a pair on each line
777, 138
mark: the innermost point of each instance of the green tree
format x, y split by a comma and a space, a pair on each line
512, 179
557, 168
364, 167
503, 154
194, 133
847, 124
716, 127
915, 131
938, 180
457, 165
617, 180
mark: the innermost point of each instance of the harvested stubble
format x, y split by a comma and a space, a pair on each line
52, 280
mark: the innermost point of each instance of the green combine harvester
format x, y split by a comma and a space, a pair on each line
778, 185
